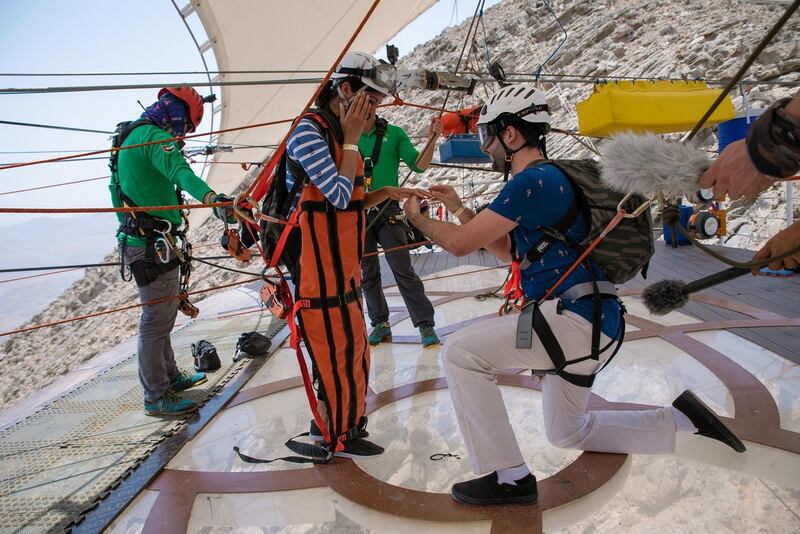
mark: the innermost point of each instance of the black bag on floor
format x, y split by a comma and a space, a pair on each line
251, 344
205, 356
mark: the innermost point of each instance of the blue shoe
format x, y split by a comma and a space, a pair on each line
186, 380
380, 332
169, 404
428, 335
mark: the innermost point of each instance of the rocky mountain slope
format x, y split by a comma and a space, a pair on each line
633, 38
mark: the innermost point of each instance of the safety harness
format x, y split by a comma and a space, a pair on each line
328, 314
531, 319
162, 251
392, 214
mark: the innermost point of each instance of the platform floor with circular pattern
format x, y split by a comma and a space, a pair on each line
704, 487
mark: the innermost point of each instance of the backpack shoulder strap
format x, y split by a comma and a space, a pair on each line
328, 122
380, 132
121, 133
554, 233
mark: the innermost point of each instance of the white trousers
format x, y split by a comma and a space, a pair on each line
471, 357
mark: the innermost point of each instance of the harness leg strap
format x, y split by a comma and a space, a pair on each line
548, 339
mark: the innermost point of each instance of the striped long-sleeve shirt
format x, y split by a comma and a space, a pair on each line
308, 147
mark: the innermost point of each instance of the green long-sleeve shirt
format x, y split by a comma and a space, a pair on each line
396, 146
149, 175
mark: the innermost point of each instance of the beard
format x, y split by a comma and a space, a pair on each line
498, 161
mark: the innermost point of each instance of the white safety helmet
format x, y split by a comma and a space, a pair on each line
519, 101
376, 75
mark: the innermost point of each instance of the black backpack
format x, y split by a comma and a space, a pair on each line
278, 199
205, 356
251, 344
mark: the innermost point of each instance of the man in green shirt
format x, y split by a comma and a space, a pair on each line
156, 175
390, 230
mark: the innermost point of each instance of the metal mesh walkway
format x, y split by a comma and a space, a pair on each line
58, 463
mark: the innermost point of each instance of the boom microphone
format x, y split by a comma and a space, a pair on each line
647, 163
669, 295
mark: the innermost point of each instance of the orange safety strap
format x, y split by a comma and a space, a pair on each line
287, 229
610, 226
513, 287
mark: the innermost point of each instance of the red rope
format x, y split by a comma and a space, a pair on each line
134, 209
39, 275
139, 145
123, 308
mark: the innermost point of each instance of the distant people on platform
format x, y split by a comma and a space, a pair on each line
383, 145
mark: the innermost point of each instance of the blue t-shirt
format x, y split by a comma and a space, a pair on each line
539, 197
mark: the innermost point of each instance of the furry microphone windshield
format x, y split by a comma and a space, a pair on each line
665, 296
647, 163
669, 295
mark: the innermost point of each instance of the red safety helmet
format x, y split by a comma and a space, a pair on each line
193, 101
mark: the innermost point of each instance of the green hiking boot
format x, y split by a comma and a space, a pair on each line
169, 404
380, 332
186, 380
428, 335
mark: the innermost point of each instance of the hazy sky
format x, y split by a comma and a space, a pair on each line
54, 36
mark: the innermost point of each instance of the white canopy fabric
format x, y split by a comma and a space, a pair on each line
282, 35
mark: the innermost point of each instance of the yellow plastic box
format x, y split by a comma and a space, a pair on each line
649, 106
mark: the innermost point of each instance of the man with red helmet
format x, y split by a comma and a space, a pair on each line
156, 175
193, 101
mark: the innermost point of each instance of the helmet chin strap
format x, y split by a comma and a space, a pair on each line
509, 156
345, 100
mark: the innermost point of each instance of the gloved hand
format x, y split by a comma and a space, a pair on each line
225, 214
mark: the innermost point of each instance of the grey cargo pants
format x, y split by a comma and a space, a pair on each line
411, 288
157, 367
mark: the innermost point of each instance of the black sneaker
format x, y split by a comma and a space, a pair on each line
359, 448
706, 421
315, 434
486, 490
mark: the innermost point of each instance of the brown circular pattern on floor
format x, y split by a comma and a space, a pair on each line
756, 419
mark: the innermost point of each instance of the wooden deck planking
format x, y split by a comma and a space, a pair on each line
774, 293
779, 295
